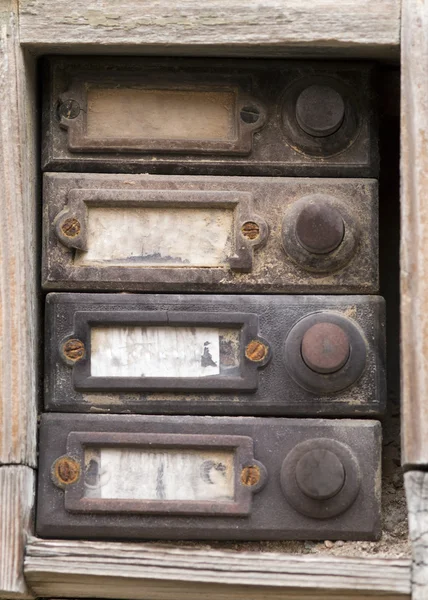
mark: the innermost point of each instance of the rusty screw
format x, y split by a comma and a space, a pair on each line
250, 475
71, 227
320, 474
250, 114
320, 110
70, 109
256, 351
74, 350
325, 347
66, 470
319, 228
250, 230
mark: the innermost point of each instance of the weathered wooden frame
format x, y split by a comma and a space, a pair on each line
30, 28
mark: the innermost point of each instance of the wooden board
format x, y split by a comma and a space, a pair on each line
153, 572
18, 314
414, 241
16, 502
274, 28
416, 483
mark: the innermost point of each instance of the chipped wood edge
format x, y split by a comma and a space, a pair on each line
16, 505
18, 311
296, 28
67, 568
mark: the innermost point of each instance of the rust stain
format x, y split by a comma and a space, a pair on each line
74, 350
71, 227
250, 230
256, 351
66, 470
250, 475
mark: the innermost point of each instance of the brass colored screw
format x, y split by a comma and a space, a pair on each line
66, 470
256, 351
71, 227
74, 350
250, 475
250, 230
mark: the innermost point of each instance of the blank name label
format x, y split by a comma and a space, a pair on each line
158, 237
158, 351
159, 474
133, 113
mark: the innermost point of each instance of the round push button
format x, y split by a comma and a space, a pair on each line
325, 347
320, 110
319, 228
320, 474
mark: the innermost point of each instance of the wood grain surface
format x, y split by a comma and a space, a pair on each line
294, 28
73, 569
414, 232
18, 300
16, 502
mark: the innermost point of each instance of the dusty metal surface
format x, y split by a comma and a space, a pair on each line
278, 505
190, 116
260, 371
233, 234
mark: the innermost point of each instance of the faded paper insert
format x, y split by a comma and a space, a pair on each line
133, 113
164, 351
156, 237
159, 474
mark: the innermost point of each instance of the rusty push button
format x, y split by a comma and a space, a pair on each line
325, 347
320, 474
319, 228
320, 110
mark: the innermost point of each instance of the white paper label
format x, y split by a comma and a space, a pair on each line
155, 351
158, 237
159, 474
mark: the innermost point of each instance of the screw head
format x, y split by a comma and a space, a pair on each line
250, 475
319, 228
71, 227
250, 114
66, 470
250, 230
256, 351
70, 109
74, 350
320, 474
325, 348
320, 110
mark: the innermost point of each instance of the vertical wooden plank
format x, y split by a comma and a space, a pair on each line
414, 279
414, 223
16, 502
18, 322
416, 483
